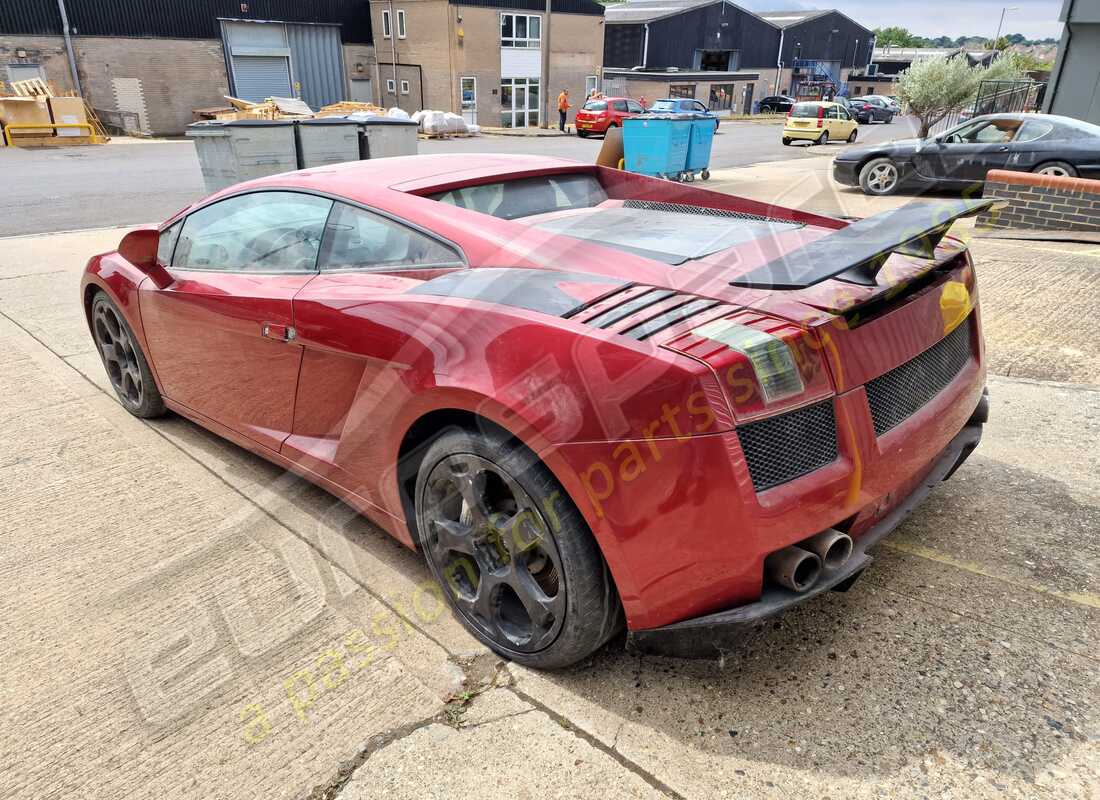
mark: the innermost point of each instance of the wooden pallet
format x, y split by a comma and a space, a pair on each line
55, 141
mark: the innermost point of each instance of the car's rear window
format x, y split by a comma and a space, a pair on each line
527, 197
805, 110
596, 105
663, 105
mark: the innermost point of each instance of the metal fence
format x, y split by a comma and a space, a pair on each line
997, 97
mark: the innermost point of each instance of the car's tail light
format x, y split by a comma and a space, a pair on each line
820, 116
765, 364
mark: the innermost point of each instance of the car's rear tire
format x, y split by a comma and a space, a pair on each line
852, 135
880, 177
786, 140
823, 138
1058, 169
889, 118
512, 554
582, 134
126, 366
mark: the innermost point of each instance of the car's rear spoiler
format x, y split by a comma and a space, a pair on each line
857, 252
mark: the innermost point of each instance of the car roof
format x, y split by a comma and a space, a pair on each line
364, 180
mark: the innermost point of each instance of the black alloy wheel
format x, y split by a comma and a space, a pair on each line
122, 358
488, 540
512, 554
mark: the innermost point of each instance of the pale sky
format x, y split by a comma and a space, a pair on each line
1036, 19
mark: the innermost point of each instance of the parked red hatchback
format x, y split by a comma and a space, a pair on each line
606, 112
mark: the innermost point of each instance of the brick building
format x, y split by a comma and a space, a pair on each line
497, 62
156, 61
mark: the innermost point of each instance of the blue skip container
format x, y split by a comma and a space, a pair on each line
657, 145
702, 138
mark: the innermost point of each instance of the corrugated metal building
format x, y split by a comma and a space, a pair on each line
158, 61
716, 43
1074, 89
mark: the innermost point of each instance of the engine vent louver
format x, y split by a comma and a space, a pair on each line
683, 208
639, 312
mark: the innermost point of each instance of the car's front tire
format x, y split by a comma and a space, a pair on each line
823, 138
126, 366
880, 177
786, 140
852, 135
1059, 169
513, 555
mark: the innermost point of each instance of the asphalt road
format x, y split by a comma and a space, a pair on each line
127, 183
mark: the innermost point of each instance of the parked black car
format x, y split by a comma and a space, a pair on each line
776, 104
873, 109
855, 110
961, 156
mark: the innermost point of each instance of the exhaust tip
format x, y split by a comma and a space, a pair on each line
793, 568
831, 546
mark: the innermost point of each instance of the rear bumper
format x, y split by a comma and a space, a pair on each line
710, 635
803, 133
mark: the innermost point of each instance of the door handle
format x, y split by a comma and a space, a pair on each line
1002, 149
280, 333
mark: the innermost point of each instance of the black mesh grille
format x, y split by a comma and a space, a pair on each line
683, 208
901, 392
781, 448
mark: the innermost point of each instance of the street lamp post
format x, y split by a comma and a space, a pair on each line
1000, 24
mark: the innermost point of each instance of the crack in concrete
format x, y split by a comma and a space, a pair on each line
612, 753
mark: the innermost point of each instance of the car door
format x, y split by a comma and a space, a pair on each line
222, 334
618, 111
358, 344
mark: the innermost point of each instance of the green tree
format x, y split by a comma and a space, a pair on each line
933, 88
894, 36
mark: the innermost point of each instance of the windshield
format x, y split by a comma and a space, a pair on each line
663, 105
805, 110
595, 105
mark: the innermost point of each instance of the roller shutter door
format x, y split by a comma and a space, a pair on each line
256, 78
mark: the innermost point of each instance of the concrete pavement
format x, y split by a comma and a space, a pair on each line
184, 620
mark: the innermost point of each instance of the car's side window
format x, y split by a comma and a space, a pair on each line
167, 244
256, 232
619, 105
633, 107
1032, 130
359, 239
700, 107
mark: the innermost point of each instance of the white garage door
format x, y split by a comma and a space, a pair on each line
256, 78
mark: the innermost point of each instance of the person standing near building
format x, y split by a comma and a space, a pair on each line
563, 107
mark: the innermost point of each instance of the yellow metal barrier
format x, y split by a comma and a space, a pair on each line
55, 125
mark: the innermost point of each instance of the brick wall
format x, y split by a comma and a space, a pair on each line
161, 80
1041, 202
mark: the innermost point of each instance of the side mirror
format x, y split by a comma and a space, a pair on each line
139, 247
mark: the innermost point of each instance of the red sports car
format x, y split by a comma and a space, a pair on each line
590, 398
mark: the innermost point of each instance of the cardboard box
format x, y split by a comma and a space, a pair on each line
69, 111
25, 111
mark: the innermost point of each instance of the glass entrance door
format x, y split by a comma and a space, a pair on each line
467, 89
519, 102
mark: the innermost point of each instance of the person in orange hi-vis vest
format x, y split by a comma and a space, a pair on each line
563, 107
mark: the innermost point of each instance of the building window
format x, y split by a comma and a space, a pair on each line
520, 30
721, 96
386, 30
591, 84
400, 23
404, 87
391, 86
681, 90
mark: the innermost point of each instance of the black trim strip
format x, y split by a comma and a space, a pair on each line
600, 299
639, 303
669, 318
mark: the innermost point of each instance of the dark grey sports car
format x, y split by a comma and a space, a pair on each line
961, 156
